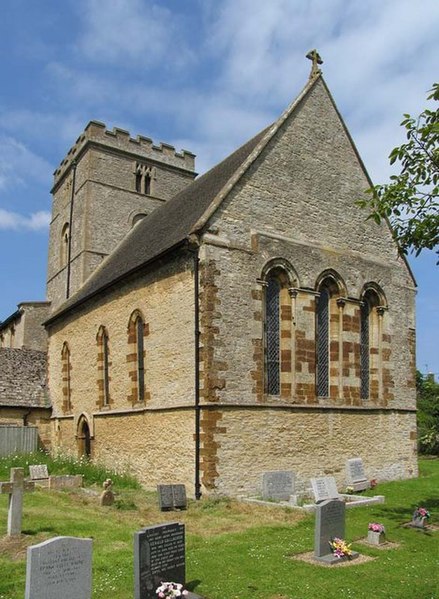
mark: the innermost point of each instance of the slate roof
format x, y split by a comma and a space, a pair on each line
23, 378
167, 227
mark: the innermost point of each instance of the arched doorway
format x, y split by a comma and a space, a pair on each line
84, 438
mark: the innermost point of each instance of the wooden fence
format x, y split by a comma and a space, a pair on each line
16, 440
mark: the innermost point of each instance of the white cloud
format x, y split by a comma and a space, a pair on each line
19, 165
128, 33
17, 222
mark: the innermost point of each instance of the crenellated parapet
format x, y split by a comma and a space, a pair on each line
117, 139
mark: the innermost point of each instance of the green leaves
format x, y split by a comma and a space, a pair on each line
410, 201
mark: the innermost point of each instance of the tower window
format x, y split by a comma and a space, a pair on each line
144, 176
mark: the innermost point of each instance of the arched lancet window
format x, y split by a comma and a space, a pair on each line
64, 247
322, 343
137, 329
140, 359
272, 336
329, 337
66, 386
84, 438
103, 366
370, 343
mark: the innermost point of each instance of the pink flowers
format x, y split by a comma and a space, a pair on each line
376, 527
421, 513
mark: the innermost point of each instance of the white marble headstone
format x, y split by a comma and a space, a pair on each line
324, 488
38, 471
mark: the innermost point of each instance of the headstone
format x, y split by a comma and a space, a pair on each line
107, 495
159, 555
329, 524
65, 481
59, 569
179, 497
278, 485
38, 471
324, 488
356, 475
172, 497
15, 488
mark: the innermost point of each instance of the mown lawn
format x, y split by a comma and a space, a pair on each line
236, 551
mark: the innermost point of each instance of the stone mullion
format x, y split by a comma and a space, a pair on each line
259, 350
293, 295
341, 302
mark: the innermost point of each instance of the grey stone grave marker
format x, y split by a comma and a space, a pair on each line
172, 497
330, 523
278, 485
356, 475
38, 471
16, 488
324, 488
59, 569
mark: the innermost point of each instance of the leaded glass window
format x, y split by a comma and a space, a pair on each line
322, 326
140, 360
272, 330
105, 352
364, 350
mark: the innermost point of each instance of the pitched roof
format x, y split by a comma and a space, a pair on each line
23, 378
169, 225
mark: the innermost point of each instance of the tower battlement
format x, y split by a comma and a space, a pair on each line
120, 139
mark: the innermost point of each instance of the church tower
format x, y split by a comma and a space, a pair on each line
107, 182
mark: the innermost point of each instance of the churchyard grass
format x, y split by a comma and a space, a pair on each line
235, 550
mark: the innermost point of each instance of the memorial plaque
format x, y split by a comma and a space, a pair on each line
172, 497
179, 497
159, 555
330, 523
165, 497
59, 568
278, 485
324, 488
38, 471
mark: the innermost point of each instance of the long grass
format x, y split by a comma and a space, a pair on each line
239, 551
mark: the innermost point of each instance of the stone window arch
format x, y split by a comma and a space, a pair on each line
103, 363
331, 292
137, 331
84, 437
66, 368
372, 310
278, 279
137, 218
144, 178
64, 245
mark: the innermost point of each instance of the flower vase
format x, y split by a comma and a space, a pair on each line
418, 522
375, 538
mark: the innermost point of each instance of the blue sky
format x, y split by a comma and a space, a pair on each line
204, 75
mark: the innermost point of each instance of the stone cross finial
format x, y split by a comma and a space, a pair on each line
316, 60
15, 489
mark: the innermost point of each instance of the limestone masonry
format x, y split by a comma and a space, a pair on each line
207, 330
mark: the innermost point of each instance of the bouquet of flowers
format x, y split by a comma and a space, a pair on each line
421, 513
168, 590
340, 548
376, 527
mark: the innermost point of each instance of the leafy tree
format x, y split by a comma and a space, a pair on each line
411, 200
428, 413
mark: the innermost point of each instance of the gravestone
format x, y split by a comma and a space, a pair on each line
15, 488
324, 488
356, 475
172, 497
59, 569
38, 471
65, 481
159, 555
330, 523
278, 485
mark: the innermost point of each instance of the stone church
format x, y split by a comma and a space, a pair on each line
205, 330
